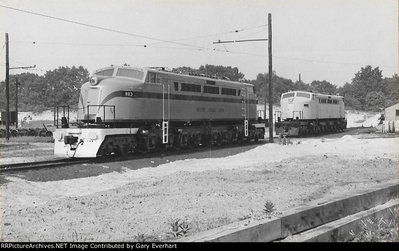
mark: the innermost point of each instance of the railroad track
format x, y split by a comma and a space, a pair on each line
25, 166
17, 167
41, 164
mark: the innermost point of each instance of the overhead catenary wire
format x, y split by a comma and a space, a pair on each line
94, 26
176, 41
2, 49
112, 30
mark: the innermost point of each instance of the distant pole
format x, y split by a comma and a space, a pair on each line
270, 82
300, 78
16, 102
7, 92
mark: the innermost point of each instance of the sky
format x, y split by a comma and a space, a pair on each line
319, 39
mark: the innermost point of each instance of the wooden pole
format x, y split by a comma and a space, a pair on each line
16, 102
270, 81
7, 92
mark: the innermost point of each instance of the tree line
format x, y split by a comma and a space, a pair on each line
368, 90
37, 93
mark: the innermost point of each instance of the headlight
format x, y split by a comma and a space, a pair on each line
94, 80
92, 136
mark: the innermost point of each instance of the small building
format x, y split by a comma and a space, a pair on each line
391, 119
12, 116
392, 113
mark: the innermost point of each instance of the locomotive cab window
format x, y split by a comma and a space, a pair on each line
153, 78
211, 89
335, 101
190, 87
228, 91
176, 84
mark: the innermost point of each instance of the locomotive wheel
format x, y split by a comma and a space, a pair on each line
240, 138
190, 141
143, 147
177, 142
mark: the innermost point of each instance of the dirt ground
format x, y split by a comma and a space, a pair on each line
148, 203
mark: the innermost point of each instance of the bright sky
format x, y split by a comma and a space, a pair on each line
321, 40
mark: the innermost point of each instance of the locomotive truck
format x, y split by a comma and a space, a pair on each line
124, 109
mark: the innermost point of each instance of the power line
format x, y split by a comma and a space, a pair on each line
98, 27
165, 41
218, 34
2, 49
326, 62
133, 34
122, 32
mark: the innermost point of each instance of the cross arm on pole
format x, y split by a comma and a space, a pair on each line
22, 67
240, 41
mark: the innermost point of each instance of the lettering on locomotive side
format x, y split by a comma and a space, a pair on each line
200, 109
129, 94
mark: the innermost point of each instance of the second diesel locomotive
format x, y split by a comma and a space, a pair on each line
308, 113
125, 109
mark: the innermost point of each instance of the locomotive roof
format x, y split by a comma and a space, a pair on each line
196, 76
163, 70
316, 94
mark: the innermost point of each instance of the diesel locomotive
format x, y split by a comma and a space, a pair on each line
124, 109
308, 113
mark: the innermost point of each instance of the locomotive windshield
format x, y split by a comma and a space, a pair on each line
107, 72
288, 95
303, 94
130, 73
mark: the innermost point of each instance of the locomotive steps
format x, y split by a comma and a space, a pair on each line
327, 221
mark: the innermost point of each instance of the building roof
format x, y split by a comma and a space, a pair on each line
396, 106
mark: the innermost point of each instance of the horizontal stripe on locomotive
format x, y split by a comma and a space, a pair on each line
154, 95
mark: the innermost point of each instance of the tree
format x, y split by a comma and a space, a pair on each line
323, 87
365, 81
37, 93
63, 85
30, 92
375, 101
218, 71
222, 72
391, 89
280, 85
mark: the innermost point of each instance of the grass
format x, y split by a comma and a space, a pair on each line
268, 207
179, 228
373, 229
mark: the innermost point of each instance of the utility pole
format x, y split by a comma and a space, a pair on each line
270, 81
7, 92
270, 73
16, 102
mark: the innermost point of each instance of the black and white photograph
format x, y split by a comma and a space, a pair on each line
150, 124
